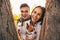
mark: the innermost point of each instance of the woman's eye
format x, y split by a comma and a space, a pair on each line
34, 11
39, 14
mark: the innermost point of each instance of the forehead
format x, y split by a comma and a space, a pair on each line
24, 8
38, 10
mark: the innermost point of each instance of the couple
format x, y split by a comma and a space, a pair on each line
28, 27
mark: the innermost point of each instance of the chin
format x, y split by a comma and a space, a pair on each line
34, 21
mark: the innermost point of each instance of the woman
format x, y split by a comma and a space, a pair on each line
33, 32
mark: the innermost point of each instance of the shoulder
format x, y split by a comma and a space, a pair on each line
19, 20
38, 24
18, 24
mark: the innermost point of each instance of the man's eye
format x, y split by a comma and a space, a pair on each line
26, 11
21, 11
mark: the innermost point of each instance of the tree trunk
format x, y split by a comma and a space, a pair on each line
7, 28
51, 25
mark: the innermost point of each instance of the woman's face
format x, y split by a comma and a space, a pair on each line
36, 14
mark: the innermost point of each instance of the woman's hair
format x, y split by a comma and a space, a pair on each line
43, 13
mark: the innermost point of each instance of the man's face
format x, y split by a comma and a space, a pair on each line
25, 12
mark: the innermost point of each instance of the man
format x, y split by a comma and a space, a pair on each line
21, 25
25, 10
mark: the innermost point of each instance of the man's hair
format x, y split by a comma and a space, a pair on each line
24, 5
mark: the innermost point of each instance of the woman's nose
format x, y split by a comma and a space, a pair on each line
35, 15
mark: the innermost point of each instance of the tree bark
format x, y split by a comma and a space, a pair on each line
7, 28
51, 25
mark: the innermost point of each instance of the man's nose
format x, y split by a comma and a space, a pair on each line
24, 13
